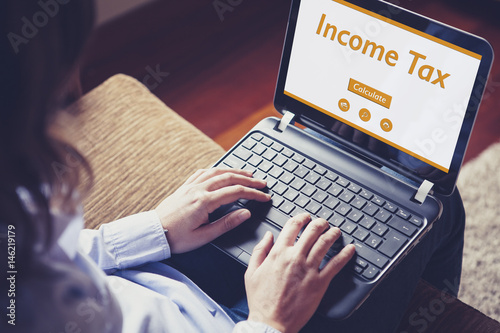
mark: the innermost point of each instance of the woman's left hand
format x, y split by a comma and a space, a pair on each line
184, 214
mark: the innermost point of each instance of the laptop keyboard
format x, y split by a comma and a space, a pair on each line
378, 228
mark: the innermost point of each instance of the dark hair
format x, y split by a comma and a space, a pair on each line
42, 41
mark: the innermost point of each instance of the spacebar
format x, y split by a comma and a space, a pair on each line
277, 217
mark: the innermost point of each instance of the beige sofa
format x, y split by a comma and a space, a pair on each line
141, 151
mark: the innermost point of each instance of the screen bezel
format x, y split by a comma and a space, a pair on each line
444, 183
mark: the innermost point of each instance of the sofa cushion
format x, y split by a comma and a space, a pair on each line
139, 149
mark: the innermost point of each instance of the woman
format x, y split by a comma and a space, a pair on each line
60, 287
114, 280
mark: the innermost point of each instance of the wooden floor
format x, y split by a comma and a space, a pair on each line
218, 70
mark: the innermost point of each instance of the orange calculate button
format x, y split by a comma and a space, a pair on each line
369, 93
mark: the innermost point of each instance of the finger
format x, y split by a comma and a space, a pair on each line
338, 262
291, 230
208, 232
214, 172
322, 245
195, 176
260, 252
232, 193
310, 235
229, 179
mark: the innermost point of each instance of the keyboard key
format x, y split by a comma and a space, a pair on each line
325, 213
355, 215
288, 152
320, 196
302, 201
343, 182
257, 136
383, 215
301, 172
267, 141
277, 217
336, 220
371, 272
286, 178
361, 263
308, 190
367, 222
249, 144
309, 164
298, 184
403, 214
279, 188
346, 196
242, 153
255, 160
277, 146
378, 200
392, 245
275, 173
374, 241
416, 221
380, 229
348, 227
234, 163
271, 182
259, 149
319, 169
331, 202
361, 234
298, 158
366, 194
280, 160
370, 255
291, 195
402, 226
269, 154
290, 166
331, 175
313, 207
265, 166
358, 203
390, 207
343, 209
287, 207
277, 201
312, 177
370, 209
354, 188
335, 190
323, 184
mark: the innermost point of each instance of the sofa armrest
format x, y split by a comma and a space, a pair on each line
140, 150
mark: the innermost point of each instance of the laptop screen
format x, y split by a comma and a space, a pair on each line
384, 83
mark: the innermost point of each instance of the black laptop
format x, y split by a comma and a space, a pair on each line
388, 99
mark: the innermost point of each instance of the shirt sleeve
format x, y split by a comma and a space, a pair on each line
125, 243
248, 326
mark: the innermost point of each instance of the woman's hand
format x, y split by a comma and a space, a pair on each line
184, 214
283, 282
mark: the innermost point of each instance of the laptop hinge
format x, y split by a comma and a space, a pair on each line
423, 191
285, 121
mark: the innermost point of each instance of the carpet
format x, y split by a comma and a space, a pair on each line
479, 184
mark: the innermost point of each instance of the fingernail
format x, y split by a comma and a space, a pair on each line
244, 215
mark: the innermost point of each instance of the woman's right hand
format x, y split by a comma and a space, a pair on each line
283, 281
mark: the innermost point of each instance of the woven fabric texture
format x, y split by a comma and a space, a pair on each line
140, 150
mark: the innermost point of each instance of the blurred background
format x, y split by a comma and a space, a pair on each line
216, 61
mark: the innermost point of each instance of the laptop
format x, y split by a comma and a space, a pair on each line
378, 106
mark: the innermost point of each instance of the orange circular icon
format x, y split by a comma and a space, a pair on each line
344, 105
365, 115
386, 125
